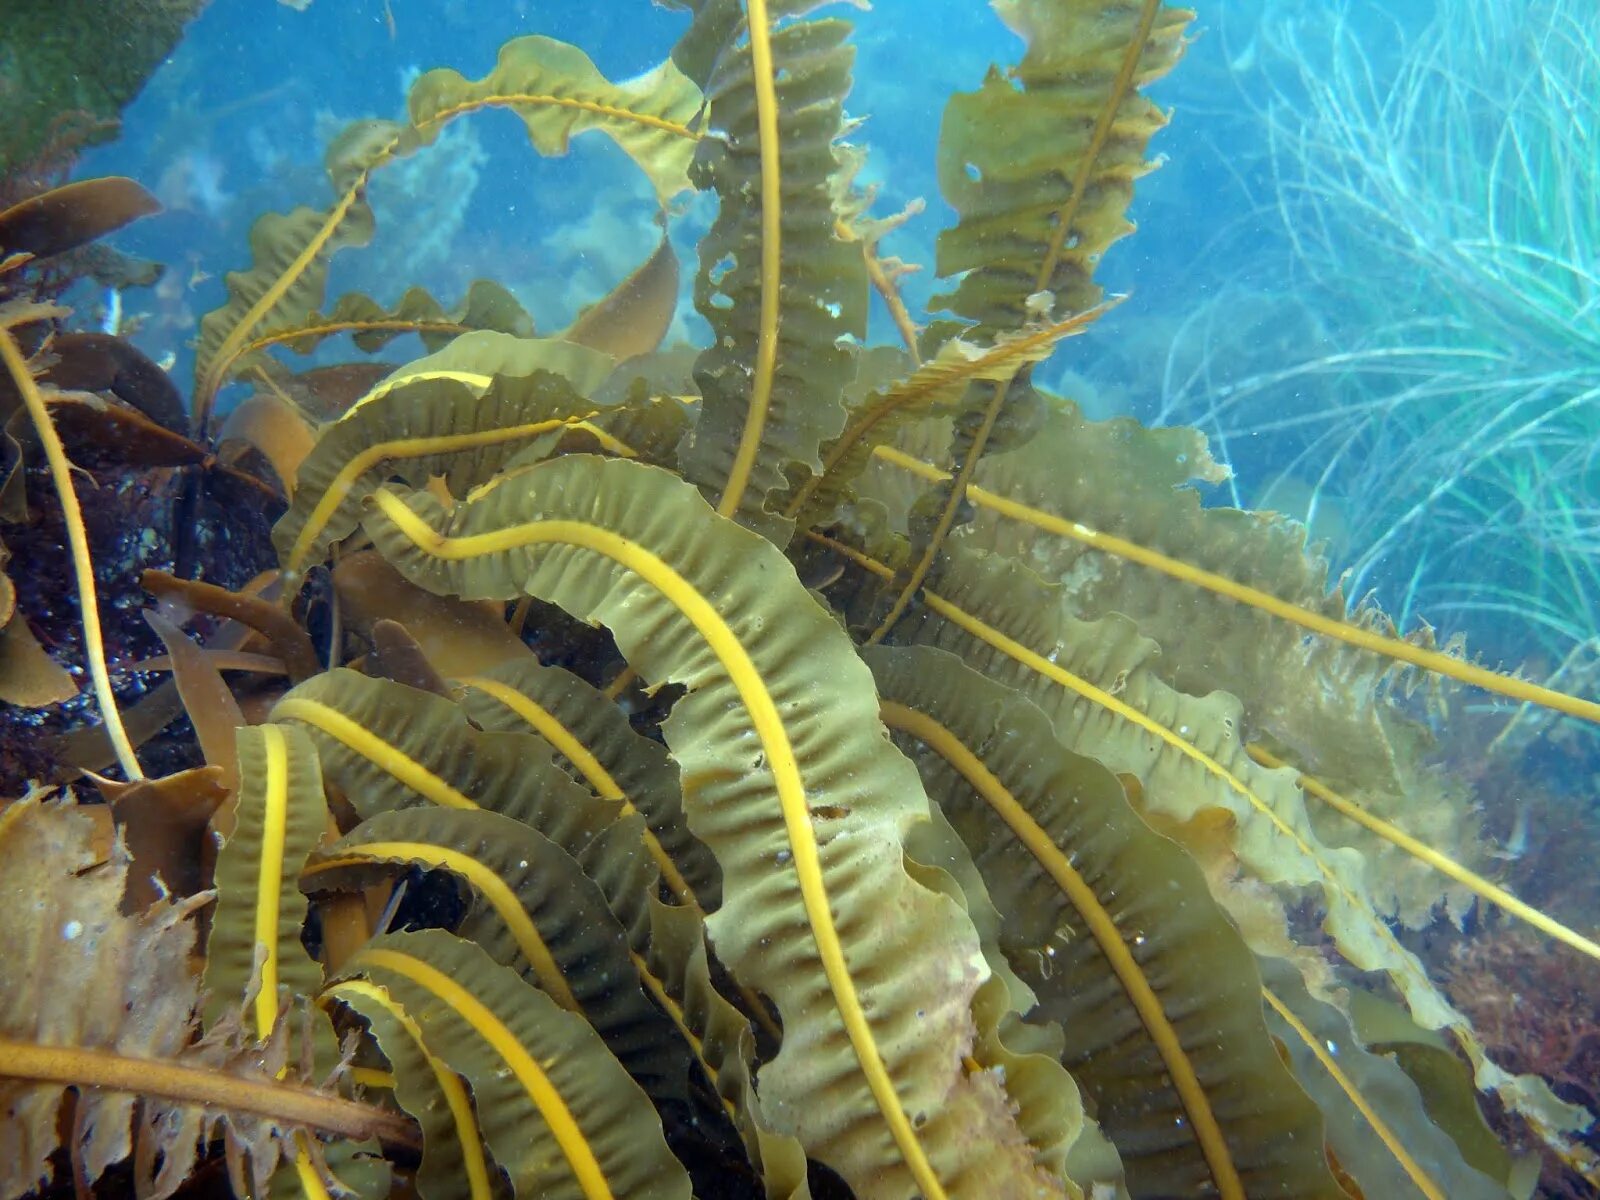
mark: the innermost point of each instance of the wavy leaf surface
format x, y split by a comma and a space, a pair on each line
430, 425
596, 743
278, 817
1040, 163
534, 910
454, 1160
781, 291
679, 974
1114, 929
559, 94
798, 795
1095, 683
486, 306
552, 86
559, 1114
290, 252
1377, 1126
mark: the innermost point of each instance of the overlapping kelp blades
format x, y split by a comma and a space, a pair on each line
787, 296
1104, 701
1041, 175
595, 742
127, 1034
692, 599
895, 1051
1432, 857
934, 388
535, 909
279, 814
559, 1114
1102, 915
435, 416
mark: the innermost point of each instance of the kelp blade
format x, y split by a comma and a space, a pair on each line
873, 975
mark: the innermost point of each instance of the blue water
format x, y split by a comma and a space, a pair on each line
235, 125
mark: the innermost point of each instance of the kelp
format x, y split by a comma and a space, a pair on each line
595, 743
749, 726
1185, 752
552, 86
535, 910
559, 1115
1102, 914
782, 292
439, 420
582, 840
1040, 167
1317, 697
278, 817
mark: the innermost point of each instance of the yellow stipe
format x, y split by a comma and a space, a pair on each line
675, 1010
774, 740
593, 771
620, 684
755, 421
328, 328
1042, 666
1408, 1164
1102, 927
1037, 663
288, 1104
386, 757
371, 1077
306, 1171
947, 515
357, 465
558, 1118
1351, 635
495, 890
1066, 219
546, 100
450, 1085
94, 647
1438, 861
997, 355
274, 832
1067, 215
233, 344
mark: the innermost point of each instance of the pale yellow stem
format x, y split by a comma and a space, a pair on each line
78, 540
771, 261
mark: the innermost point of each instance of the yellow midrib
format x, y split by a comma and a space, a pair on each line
358, 464
1353, 635
383, 755
1397, 1148
766, 363
566, 743
269, 885
274, 292
770, 732
493, 888
450, 1085
1135, 984
938, 377
546, 1098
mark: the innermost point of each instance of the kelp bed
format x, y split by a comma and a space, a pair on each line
785, 768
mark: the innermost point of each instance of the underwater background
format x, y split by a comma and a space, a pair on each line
1268, 308
1368, 270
